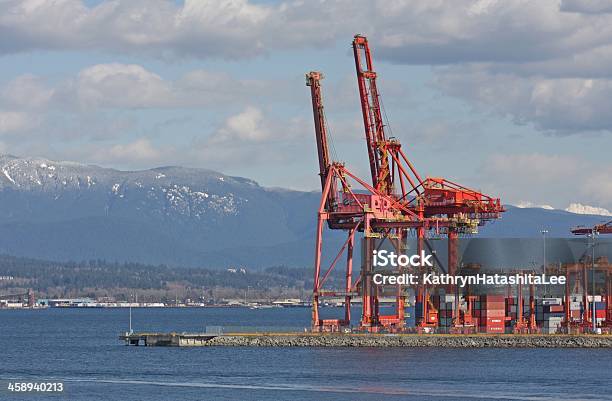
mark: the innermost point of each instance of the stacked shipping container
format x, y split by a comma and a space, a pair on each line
490, 310
498, 314
446, 306
549, 314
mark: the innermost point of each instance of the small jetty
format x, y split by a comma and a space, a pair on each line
167, 339
366, 340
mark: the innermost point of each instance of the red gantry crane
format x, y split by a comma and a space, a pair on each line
365, 210
604, 228
397, 201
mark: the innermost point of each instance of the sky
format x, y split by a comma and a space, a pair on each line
511, 97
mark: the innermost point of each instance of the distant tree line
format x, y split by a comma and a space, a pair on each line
100, 278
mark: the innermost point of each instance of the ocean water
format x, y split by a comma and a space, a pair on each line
80, 348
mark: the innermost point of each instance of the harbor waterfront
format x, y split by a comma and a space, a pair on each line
79, 348
305, 200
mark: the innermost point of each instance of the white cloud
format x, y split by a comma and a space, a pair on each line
547, 179
103, 102
202, 28
11, 121
598, 184
547, 57
415, 32
26, 92
403, 31
440, 32
131, 86
539, 62
138, 153
246, 126
251, 137
96, 116
534, 166
252, 125
587, 6
140, 150
534, 61
560, 105
119, 85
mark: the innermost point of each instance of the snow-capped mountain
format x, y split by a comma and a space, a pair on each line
527, 205
182, 216
173, 215
579, 208
166, 191
576, 208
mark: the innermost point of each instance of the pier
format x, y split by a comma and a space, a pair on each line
367, 340
167, 339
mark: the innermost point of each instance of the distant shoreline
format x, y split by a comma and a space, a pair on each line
126, 306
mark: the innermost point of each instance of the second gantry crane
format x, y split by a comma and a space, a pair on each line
604, 228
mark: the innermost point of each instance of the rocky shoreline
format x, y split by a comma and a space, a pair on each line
445, 341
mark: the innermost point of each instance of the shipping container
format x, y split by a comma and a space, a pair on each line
551, 301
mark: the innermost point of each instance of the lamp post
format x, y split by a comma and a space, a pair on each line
246, 293
594, 233
131, 331
544, 232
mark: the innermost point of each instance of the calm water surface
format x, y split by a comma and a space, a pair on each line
79, 347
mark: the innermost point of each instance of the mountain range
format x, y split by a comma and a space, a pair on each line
181, 216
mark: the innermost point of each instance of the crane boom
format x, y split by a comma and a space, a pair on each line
313, 80
372, 117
